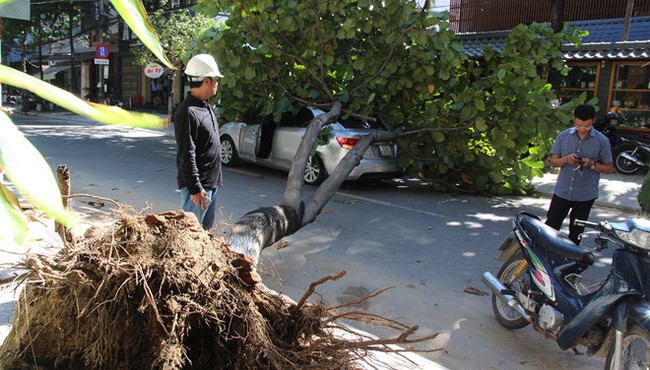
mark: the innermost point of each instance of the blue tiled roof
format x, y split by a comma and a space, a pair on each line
611, 30
603, 42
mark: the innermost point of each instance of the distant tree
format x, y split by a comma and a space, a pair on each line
50, 20
177, 30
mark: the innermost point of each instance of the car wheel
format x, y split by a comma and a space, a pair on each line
314, 171
229, 156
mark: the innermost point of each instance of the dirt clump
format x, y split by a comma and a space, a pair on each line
158, 292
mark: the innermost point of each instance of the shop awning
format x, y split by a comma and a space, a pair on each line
50, 72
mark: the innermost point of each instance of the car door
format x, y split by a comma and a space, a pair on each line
288, 135
249, 138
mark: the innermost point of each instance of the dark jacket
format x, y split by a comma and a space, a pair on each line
198, 146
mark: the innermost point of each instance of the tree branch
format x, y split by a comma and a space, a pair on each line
295, 181
327, 189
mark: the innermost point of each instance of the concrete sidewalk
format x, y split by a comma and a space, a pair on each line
616, 190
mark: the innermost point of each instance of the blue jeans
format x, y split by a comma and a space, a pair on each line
207, 217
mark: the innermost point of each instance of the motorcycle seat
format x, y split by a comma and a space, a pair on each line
552, 240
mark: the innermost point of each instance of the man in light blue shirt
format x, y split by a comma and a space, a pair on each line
583, 153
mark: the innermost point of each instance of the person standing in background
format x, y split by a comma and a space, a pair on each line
583, 153
198, 156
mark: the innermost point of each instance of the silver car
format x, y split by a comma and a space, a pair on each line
274, 144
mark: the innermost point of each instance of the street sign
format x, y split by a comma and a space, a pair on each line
102, 51
102, 61
153, 70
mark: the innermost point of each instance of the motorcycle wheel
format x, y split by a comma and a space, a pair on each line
624, 165
505, 315
636, 350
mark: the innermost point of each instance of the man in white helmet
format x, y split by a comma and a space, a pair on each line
197, 141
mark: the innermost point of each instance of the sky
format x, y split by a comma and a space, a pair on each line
439, 5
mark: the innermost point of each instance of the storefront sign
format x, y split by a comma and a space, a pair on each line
153, 70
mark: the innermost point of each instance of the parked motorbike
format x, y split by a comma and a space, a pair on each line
606, 125
540, 283
631, 155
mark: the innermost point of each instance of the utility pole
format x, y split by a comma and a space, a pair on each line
557, 22
102, 93
628, 18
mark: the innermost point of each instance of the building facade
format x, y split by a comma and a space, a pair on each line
97, 64
612, 64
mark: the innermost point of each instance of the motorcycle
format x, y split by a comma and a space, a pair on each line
631, 155
540, 284
606, 126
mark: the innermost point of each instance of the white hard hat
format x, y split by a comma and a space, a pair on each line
201, 66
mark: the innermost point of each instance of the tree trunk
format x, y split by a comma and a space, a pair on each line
170, 95
557, 22
261, 228
63, 180
73, 75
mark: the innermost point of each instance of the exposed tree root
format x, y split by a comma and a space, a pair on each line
158, 292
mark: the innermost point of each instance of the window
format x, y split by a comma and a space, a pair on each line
582, 78
631, 92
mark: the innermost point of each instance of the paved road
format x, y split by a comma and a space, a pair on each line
429, 246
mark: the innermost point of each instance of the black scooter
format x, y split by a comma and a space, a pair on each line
540, 284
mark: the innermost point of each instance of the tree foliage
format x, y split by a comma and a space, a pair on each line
477, 126
176, 31
48, 22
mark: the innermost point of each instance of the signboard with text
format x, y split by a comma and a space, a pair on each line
153, 70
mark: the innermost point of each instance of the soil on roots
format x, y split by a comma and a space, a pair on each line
158, 292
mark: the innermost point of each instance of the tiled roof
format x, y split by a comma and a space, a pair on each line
603, 42
611, 30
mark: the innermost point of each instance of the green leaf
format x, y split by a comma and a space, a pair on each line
438, 136
249, 74
480, 104
30, 173
481, 124
13, 224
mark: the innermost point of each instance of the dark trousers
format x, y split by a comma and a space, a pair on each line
558, 210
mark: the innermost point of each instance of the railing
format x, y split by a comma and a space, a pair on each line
494, 15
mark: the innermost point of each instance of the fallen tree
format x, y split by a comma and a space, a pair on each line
159, 292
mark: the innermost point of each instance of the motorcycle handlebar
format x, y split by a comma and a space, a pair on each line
585, 223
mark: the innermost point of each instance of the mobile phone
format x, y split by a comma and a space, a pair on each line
207, 201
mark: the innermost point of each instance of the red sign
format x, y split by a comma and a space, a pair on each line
102, 51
